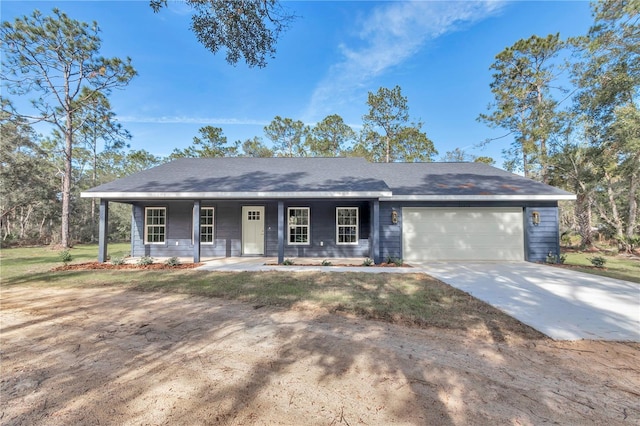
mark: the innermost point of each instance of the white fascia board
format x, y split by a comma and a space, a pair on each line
234, 195
539, 197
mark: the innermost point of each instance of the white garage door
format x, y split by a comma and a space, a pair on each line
462, 233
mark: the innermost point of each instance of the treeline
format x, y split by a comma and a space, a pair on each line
33, 167
569, 105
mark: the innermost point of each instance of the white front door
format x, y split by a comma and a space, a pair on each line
253, 230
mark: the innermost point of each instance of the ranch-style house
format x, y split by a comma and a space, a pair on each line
334, 207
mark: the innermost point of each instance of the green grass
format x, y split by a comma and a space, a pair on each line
410, 299
619, 267
23, 261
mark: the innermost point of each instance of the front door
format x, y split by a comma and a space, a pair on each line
253, 230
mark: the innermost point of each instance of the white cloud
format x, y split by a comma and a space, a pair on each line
192, 120
390, 35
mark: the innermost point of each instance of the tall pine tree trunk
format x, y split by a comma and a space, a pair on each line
633, 205
66, 182
94, 179
614, 218
583, 216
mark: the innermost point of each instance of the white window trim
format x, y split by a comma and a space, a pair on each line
308, 225
213, 226
357, 226
146, 226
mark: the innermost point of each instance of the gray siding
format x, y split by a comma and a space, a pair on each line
542, 239
228, 230
539, 240
177, 234
390, 233
323, 230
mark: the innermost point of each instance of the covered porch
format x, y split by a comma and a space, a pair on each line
182, 237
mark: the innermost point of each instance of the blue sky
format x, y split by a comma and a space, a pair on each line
438, 52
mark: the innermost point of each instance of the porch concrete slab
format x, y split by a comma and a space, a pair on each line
235, 264
561, 303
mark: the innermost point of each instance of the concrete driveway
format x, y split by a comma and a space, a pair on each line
561, 303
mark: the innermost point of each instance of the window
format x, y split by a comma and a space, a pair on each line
155, 225
298, 225
206, 225
347, 225
253, 215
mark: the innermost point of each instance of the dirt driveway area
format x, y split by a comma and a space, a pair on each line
113, 356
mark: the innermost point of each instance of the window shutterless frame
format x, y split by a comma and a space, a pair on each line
155, 225
298, 225
207, 225
347, 224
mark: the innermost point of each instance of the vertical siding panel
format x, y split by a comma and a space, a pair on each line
137, 231
228, 229
271, 231
374, 236
544, 238
390, 233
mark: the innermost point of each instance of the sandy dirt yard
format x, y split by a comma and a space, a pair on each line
112, 356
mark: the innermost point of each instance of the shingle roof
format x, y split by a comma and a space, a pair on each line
243, 177
253, 177
458, 179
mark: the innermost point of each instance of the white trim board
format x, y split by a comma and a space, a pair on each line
235, 195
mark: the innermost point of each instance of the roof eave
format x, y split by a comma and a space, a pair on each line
123, 195
491, 197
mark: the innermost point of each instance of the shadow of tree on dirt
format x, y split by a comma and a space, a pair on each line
88, 356
123, 354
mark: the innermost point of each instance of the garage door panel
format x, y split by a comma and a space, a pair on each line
463, 234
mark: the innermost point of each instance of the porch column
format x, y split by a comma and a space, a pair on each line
374, 235
103, 230
280, 232
196, 231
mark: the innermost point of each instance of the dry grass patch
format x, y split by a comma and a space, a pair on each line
416, 300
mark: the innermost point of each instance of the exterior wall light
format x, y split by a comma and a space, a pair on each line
394, 217
535, 218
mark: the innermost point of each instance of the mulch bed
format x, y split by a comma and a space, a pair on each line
97, 265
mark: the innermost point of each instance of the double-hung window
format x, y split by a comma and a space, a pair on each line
298, 219
347, 225
206, 225
155, 225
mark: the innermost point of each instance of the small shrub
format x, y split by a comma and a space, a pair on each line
145, 260
65, 256
395, 260
117, 260
551, 258
172, 261
367, 262
287, 262
597, 261
326, 263
562, 259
